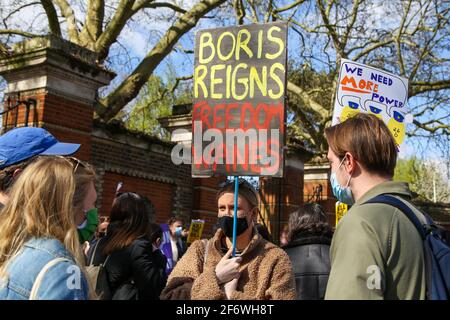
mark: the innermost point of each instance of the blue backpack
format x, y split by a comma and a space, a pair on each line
436, 250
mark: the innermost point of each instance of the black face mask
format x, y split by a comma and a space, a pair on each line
226, 224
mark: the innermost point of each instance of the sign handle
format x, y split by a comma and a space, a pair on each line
236, 193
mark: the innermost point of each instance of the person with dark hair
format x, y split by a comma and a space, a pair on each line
127, 253
177, 238
309, 238
19, 147
259, 270
263, 231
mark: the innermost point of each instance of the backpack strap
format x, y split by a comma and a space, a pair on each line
93, 253
37, 283
423, 229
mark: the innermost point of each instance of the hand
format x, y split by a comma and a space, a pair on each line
230, 287
86, 248
228, 269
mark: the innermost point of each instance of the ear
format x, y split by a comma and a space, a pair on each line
255, 212
350, 163
16, 173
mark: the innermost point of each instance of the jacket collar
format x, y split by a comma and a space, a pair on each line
254, 242
308, 238
392, 187
50, 245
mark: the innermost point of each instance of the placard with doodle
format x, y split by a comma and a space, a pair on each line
366, 89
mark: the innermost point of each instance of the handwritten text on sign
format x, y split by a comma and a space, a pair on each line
370, 90
239, 88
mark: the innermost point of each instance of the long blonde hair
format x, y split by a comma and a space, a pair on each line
40, 206
84, 175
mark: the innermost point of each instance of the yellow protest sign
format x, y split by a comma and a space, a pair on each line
195, 230
341, 209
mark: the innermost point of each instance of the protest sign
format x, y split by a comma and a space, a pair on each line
166, 247
195, 230
239, 90
341, 209
366, 89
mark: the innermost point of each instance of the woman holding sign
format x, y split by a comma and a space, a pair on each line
259, 271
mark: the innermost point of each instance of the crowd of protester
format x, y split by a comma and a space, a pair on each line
50, 227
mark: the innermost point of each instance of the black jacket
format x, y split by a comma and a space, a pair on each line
310, 258
134, 272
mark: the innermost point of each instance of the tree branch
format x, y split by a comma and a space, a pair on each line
309, 102
69, 15
17, 10
52, 17
419, 87
425, 51
331, 29
155, 5
253, 10
109, 36
398, 40
128, 89
349, 28
94, 23
166, 91
370, 49
19, 32
239, 11
288, 7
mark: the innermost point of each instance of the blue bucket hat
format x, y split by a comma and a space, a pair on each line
23, 143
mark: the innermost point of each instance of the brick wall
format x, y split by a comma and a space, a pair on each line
160, 194
204, 201
144, 166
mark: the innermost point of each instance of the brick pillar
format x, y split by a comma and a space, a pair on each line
204, 202
63, 79
281, 196
317, 178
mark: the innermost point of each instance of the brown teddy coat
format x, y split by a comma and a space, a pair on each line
266, 273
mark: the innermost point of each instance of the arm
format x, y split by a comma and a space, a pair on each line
357, 264
189, 281
148, 275
281, 283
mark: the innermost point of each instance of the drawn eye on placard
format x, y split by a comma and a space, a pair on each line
398, 116
376, 108
351, 107
397, 126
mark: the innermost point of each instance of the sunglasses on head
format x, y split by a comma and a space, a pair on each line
129, 194
74, 162
241, 181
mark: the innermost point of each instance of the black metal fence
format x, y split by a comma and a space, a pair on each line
11, 110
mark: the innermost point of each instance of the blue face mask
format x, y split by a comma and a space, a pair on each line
178, 231
344, 195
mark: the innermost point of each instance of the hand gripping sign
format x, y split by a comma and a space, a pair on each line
366, 89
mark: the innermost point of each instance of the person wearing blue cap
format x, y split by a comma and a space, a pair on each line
19, 146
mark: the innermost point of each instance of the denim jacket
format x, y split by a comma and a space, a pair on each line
63, 281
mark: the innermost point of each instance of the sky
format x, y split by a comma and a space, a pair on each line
142, 33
